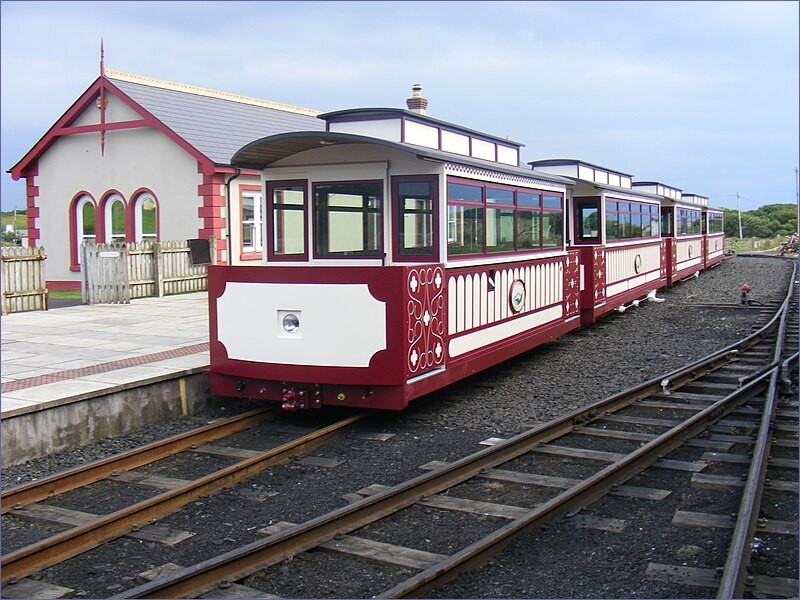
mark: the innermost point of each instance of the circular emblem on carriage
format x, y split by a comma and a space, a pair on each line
691, 251
517, 295
637, 264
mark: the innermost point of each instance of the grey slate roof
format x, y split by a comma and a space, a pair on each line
215, 126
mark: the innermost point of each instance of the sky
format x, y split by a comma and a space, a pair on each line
701, 96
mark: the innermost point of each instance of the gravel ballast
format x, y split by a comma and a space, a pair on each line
583, 367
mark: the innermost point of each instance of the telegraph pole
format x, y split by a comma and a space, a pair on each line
739, 208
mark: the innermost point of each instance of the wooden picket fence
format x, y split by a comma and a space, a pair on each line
23, 282
116, 273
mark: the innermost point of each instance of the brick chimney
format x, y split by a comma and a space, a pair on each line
417, 103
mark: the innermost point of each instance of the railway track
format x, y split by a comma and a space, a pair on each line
697, 424
90, 531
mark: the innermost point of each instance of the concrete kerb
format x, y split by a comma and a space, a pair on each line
90, 417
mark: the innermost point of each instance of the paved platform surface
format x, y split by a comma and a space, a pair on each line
49, 358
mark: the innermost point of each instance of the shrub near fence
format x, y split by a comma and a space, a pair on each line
115, 273
23, 280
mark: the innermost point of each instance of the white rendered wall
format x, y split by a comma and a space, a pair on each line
133, 159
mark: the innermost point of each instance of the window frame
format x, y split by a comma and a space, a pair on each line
399, 212
319, 214
269, 217
629, 216
536, 213
253, 252
140, 197
76, 228
108, 219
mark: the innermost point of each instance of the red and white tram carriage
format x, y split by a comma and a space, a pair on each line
616, 229
713, 230
681, 228
402, 255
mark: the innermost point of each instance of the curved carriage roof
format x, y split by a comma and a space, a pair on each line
262, 153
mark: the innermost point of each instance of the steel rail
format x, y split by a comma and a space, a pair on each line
734, 574
35, 491
236, 564
580, 495
72, 542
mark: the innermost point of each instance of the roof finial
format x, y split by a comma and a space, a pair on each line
102, 65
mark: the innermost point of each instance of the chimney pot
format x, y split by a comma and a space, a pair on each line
417, 103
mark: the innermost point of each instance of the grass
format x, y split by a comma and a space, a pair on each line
64, 294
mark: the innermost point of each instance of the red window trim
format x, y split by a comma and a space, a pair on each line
269, 217
397, 221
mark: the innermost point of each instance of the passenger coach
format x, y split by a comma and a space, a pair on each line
403, 254
616, 230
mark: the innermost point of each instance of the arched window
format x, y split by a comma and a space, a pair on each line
115, 219
85, 226
146, 217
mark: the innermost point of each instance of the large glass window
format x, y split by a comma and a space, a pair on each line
630, 220
286, 229
715, 223
689, 222
348, 219
415, 201
499, 220
552, 221
464, 219
484, 218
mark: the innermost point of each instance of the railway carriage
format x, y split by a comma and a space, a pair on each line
616, 230
403, 254
682, 229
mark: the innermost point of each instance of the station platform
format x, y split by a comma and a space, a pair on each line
80, 373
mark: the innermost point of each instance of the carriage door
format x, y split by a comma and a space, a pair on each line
587, 220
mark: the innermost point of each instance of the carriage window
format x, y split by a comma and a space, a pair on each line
415, 201
630, 220
287, 228
348, 219
587, 219
487, 218
715, 223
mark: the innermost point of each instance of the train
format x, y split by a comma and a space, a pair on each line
403, 254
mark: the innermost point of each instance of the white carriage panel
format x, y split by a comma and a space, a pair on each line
529, 287
250, 315
570, 170
614, 179
585, 173
486, 298
467, 301
508, 156
490, 335
383, 129
452, 299
483, 149
505, 286
455, 143
478, 297
460, 303
689, 250
540, 286
601, 176
421, 135
491, 308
